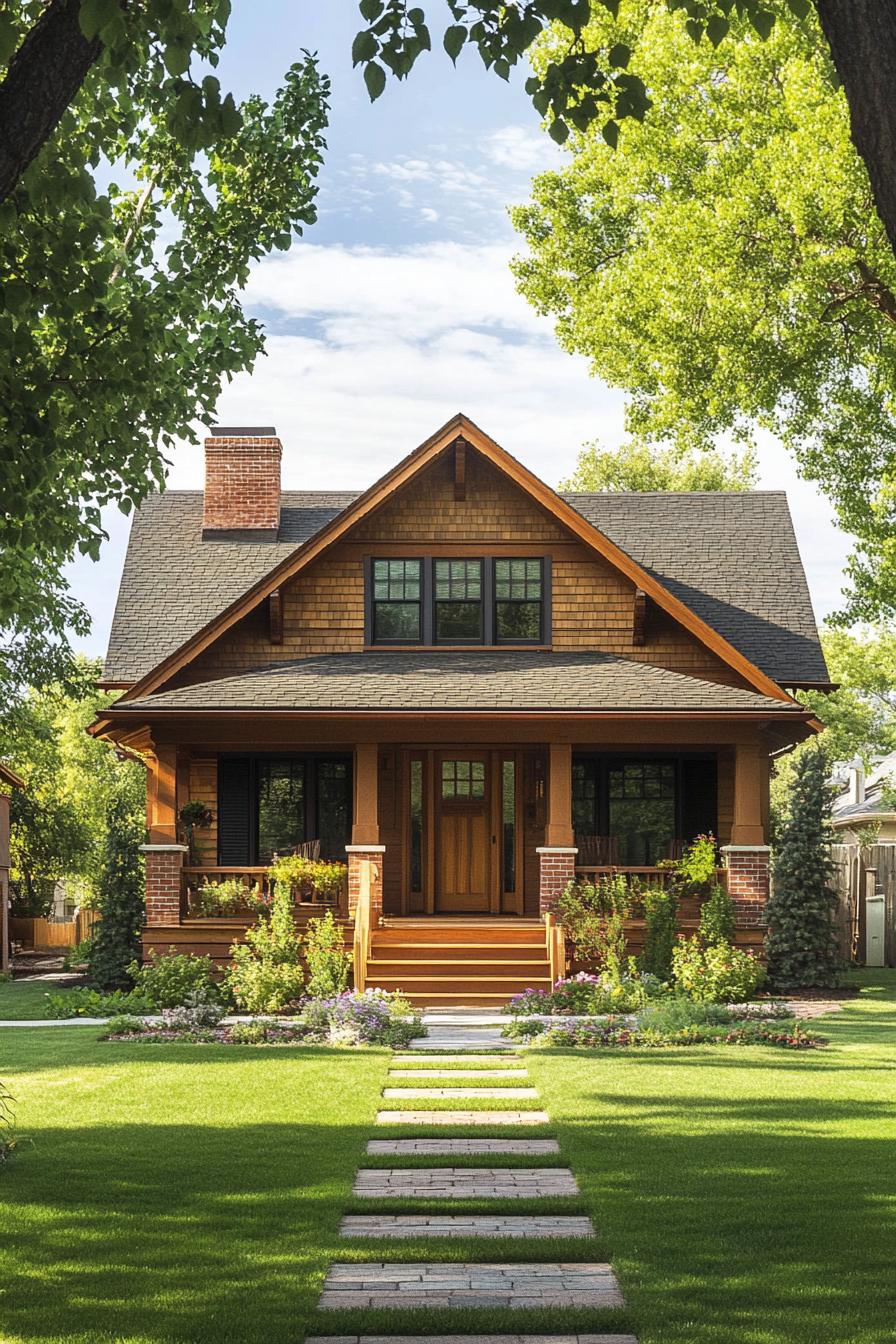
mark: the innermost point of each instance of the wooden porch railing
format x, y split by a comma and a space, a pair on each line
647, 876
555, 940
193, 877
361, 946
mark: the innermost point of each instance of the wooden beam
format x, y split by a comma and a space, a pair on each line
460, 469
161, 796
639, 619
275, 616
750, 764
365, 826
559, 827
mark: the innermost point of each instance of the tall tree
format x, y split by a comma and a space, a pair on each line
801, 943
116, 941
728, 269
644, 466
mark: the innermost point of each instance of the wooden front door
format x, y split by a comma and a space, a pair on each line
463, 848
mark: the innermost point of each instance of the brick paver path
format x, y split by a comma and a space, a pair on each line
361, 1285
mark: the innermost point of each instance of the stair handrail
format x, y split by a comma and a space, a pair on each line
361, 943
555, 945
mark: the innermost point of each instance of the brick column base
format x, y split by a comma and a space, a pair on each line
356, 856
557, 867
748, 882
163, 865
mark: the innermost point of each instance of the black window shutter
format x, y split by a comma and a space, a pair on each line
234, 811
699, 794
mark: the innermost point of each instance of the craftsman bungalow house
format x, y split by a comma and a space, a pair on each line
467, 685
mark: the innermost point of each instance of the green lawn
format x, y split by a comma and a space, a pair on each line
177, 1194
26, 1000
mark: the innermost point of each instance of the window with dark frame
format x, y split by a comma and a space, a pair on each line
269, 804
519, 593
644, 803
457, 598
397, 601
463, 781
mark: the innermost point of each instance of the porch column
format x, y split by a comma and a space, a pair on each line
365, 844
747, 856
557, 856
164, 853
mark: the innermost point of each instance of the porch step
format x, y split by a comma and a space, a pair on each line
459, 962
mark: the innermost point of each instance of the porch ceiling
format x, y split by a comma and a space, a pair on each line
460, 683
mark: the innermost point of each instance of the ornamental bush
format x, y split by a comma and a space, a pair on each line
660, 916
717, 973
717, 917
328, 963
801, 943
116, 939
266, 973
168, 980
593, 916
588, 995
376, 1017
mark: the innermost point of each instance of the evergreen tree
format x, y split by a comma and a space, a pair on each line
801, 943
117, 939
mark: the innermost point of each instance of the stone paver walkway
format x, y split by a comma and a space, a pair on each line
460, 1093
458, 1073
464, 1183
425, 1284
460, 1147
414, 1226
462, 1118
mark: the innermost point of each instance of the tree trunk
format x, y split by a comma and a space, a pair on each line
862, 38
42, 79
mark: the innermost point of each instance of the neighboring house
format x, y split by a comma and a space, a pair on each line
866, 802
9, 780
474, 683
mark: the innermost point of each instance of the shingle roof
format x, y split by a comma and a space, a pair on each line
410, 680
732, 558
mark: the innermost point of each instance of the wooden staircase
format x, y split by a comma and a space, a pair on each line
457, 962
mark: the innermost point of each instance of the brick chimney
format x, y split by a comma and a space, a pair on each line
242, 482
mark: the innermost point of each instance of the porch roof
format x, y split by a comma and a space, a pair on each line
412, 681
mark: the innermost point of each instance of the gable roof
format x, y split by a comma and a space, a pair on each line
412, 681
232, 565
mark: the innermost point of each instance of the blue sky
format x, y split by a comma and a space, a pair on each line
398, 307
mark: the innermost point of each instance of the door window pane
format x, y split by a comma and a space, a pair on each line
519, 598
584, 797
416, 826
458, 600
397, 601
281, 807
508, 823
333, 808
462, 780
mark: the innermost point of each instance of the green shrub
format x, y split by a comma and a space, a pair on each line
697, 865
91, 1003
78, 955
660, 916
225, 898
718, 973
266, 971
717, 917
309, 879
116, 940
593, 916
168, 980
329, 964
673, 1014
124, 1025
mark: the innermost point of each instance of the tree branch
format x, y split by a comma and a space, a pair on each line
43, 77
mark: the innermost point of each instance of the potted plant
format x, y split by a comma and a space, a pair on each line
194, 816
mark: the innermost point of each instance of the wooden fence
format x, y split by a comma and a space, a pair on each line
51, 935
861, 870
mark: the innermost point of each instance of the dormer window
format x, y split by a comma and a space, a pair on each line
457, 587
397, 601
460, 601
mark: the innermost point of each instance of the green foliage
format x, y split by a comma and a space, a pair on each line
116, 938
121, 317
727, 268
228, 896
329, 964
59, 821
860, 716
124, 1025
660, 916
169, 980
801, 943
715, 973
80, 1002
645, 466
593, 916
265, 973
696, 868
717, 917
309, 879
588, 995
8, 1140
78, 955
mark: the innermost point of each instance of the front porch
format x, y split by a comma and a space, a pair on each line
466, 846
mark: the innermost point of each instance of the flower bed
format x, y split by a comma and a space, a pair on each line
676, 1022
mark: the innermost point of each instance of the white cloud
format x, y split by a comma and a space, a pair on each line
429, 216
523, 149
